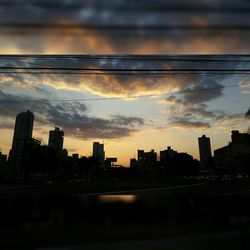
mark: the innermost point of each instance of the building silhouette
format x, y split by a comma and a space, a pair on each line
22, 134
166, 156
56, 138
133, 163
235, 157
3, 164
240, 138
3, 159
64, 154
110, 162
146, 160
98, 152
75, 156
175, 163
205, 151
31, 157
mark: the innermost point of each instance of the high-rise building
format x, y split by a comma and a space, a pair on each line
22, 134
205, 150
56, 137
98, 152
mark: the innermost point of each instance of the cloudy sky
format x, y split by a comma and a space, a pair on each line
127, 102
124, 26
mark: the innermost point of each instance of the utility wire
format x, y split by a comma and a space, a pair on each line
147, 6
53, 69
124, 56
122, 27
151, 70
48, 69
125, 74
221, 58
118, 71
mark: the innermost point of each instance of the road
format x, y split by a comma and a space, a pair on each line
135, 191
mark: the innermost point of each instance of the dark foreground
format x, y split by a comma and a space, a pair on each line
210, 215
122, 222
133, 186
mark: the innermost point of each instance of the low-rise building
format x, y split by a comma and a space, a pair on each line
234, 158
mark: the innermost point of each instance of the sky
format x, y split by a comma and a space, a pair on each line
126, 112
124, 26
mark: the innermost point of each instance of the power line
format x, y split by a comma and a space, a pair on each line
107, 56
128, 74
120, 27
131, 35
124, 97
186, 58
159, 6
53, 69
123, 69
90, 70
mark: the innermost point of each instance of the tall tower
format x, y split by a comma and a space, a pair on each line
205, 150
56, 137
98, 152
22, 134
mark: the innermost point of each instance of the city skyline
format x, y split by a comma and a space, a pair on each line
24, 129
56, 140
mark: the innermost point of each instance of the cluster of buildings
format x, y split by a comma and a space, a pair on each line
23, 143
170, 163
232, 158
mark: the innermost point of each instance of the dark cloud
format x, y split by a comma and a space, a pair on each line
73, 118
105, 11
10, 109
195, 88
186, 113
191, 109
132, 22
187, 110
204, 90
125, 121
183, 123
84, 126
